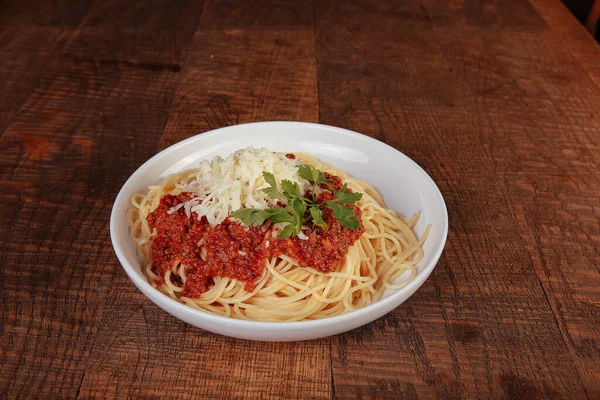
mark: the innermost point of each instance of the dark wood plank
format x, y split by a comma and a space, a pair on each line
235, 76
257, 15
86, 126
477, 16
485, 115
574, 37
31, 33
550, 175
151, 35
554, 194
62, 164
162, 357
62, 14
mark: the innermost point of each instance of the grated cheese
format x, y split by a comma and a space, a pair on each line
227, 185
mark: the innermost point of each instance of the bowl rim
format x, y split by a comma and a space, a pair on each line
148, 290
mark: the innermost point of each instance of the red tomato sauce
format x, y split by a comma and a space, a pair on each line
177, 235
236, 251
323, 250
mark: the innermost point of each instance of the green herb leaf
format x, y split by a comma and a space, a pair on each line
299, 207
272, 190
307, 172
287, 231
252, 216
290, 189
281, 214
345, 215
347, 197
297, 224
313, 175
294, 214
317, 216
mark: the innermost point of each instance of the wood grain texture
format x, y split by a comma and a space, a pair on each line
137, 32
63, 158
254, 72
573, 35
29, 39
62, 163
490, 123
498, 102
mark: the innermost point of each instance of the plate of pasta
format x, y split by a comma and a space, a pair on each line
279, 231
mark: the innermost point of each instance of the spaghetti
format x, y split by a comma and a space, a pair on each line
283, 287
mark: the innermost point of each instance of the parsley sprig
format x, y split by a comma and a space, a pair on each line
300, 209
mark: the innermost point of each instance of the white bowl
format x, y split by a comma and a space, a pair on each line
405, 186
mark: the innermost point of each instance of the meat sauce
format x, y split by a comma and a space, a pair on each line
240, 252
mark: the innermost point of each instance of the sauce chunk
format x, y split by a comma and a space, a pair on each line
236, 251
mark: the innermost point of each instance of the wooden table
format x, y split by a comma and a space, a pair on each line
498, 102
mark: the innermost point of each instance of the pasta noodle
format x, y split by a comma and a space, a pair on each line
385, 257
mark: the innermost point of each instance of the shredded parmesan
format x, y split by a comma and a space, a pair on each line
224, 186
